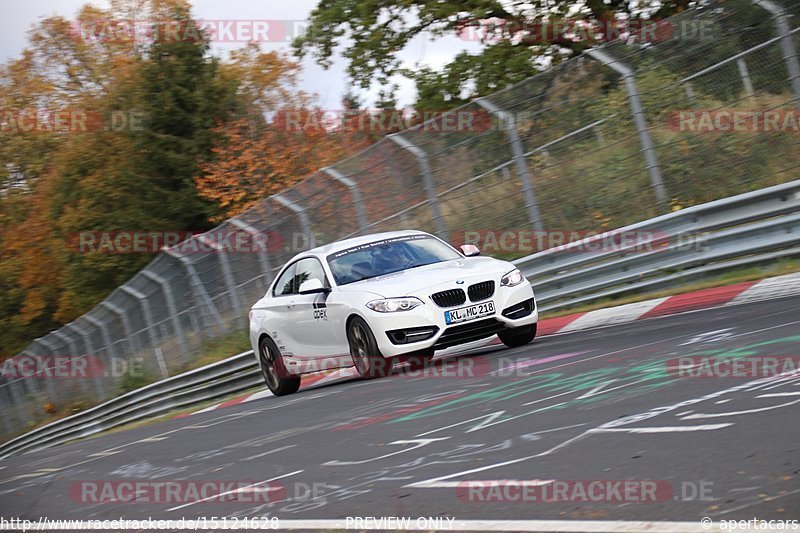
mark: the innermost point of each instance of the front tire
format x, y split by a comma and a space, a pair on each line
273, 369
514, 337
364, 350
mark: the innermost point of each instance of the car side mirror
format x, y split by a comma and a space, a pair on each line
313, 286
470, 250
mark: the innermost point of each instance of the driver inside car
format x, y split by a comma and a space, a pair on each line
390, 258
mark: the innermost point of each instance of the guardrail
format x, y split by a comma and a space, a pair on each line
216, 380
749, 228
753, 227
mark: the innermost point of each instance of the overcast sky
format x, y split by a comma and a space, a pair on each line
330, 84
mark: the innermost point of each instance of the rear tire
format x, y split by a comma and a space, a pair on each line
514, 337
364, 350
273, 369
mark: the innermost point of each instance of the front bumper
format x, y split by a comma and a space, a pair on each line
424, 327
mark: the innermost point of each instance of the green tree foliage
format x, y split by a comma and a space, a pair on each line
155, 107
375, 31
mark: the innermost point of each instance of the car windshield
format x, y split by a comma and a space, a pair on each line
387, 256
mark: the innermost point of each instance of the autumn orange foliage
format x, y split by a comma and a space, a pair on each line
255, 161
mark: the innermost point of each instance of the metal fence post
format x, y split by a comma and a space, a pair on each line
86, 344
8, 400
173, 311
358, 200
230, 283
745, 75
19, 400
103, 327
200, 294
305, 223
520, 161
47, 344
73, 348
111, 353
148, 316
781, 18
263, 255
639, 119
126, 324
49, 385
90, 352
427, 177
34, 384
74, 352
689, 90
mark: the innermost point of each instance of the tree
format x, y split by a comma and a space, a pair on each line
137, 174
519, 38
255, 160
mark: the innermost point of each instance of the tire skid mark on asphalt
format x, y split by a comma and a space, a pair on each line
117, 449
795, 381
460, 454
485, 482
234, 491
663, 429
419, 444
437, 409
385, 417
270, 452
276, 436
697, 416
367, 412
486, 419
524, 363
482, 394
755, 384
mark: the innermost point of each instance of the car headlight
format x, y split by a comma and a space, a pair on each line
393, 305
513, 278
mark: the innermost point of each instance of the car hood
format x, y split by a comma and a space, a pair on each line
444, 275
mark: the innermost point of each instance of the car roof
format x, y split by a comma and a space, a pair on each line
326, 249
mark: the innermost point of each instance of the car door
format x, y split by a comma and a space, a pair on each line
278, 307
307, 319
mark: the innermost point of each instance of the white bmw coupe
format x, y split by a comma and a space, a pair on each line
370, 301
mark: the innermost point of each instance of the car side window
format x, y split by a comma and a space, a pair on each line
285, 284
308, 268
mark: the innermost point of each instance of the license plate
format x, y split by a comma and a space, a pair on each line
471, 312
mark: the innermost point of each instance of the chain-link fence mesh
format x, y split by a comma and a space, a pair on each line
620, 134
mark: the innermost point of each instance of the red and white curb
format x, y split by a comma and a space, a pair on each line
739, 293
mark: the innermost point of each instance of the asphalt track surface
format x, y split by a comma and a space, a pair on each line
594, 405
